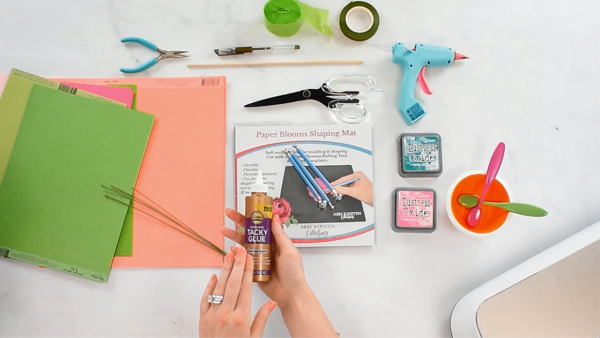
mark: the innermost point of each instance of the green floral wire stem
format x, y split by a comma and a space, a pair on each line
182, 227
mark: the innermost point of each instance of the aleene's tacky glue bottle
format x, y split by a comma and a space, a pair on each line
259, 211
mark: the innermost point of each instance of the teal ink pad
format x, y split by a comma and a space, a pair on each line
420, 155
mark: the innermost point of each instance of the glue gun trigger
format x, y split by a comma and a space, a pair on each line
422, 82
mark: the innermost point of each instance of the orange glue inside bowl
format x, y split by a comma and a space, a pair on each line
491, 217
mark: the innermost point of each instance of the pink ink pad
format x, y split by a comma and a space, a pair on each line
414, 210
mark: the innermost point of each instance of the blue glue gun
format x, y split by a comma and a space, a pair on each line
413, 62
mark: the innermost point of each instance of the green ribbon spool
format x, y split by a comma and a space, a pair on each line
284, 17
363, 7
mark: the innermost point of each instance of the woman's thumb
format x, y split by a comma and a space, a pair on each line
260, 320
281, 239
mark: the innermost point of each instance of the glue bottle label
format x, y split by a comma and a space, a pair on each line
258, 238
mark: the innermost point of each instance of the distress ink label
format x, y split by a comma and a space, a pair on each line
257, 237
415, 210
421, 153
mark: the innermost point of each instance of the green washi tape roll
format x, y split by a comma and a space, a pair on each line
359, 6
284, 17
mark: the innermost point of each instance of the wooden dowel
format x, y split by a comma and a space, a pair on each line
281, 63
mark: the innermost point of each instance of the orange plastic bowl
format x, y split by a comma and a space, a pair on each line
492, 218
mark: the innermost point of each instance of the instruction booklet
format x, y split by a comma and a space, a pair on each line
343, 156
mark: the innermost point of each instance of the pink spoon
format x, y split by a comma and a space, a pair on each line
490, 176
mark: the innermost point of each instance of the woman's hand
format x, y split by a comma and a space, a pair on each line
362, 189
300, 308
287, 275
232, 318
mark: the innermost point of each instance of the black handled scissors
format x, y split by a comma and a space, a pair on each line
332, 99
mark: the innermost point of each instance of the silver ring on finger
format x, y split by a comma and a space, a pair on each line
215, 299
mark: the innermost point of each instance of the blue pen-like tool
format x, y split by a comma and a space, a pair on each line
322, 203
348, 182
343, 184
164, 54
337, 195
312, 180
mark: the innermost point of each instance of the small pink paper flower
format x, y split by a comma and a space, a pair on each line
282, 208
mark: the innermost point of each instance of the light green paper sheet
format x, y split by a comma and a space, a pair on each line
125, 246
53, 211
12, 106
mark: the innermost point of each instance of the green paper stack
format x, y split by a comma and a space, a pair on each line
125, 246
53, 211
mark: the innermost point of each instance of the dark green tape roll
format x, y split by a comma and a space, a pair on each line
359, 36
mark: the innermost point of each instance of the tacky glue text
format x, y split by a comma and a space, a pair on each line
257, 235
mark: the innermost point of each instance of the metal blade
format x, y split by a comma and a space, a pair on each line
275, 100
225, 51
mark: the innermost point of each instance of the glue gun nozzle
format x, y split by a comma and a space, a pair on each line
459, 56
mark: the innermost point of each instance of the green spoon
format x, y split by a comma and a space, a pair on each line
470, 201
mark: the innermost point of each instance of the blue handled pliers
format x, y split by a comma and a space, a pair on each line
164, 54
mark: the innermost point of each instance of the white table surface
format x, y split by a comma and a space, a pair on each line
533, 81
